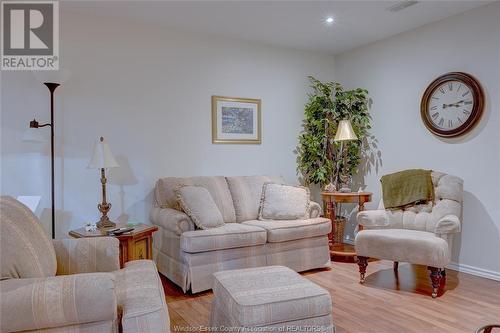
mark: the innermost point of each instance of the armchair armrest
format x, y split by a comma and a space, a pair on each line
448, 224
87, 255
315, 210
37, 303
373, 219
171, 219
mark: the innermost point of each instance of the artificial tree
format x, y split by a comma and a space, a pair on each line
319, 157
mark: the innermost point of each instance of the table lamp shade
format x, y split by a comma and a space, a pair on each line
345, 132
102, 158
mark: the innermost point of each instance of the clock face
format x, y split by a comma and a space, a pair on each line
452, 104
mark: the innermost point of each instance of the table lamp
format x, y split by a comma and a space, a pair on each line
344, 133
103, 159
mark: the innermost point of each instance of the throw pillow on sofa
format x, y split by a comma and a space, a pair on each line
284, 202
199, 205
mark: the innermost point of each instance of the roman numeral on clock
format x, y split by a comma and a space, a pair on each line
450, 86
466, 93
441, 90
450, 123
467, 112
468, 102
435, 115
434, 107
441, 122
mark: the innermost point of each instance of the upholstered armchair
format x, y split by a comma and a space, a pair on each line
421, 234
72, 285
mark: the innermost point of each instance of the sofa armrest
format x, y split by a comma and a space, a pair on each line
171, 219
373, 219
38, 303
87, 255
449, 224
315, 210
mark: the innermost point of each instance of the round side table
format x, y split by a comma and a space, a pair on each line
343, 251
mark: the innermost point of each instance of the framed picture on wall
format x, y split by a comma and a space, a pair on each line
236, 120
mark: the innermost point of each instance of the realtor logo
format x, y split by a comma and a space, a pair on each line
30, 35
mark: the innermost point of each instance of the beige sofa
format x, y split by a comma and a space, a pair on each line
72, 285
189, 257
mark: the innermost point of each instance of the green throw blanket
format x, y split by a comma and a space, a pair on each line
407, 188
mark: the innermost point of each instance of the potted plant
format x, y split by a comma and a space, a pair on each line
319, 157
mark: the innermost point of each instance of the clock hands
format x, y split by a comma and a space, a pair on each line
457, 104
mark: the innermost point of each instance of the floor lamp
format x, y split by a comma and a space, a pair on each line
34, 124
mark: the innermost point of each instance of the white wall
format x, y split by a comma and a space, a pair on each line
396, 71
147, 90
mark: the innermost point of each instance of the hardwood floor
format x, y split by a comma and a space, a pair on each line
383, 304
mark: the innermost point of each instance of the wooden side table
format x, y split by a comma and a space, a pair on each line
330, 199
134, 245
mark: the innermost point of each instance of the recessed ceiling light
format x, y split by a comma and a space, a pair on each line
329, 20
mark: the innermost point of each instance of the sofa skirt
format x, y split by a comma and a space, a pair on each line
194, 271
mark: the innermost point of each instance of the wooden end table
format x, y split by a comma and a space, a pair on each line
134, 245
330, 199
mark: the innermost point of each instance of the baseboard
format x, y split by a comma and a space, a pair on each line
475, 271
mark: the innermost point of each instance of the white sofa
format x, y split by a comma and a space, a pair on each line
189, 257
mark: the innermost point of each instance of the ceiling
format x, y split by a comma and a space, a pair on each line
295, 24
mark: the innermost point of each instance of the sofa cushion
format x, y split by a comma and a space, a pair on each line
198, 204
268, 295
217, 186
246, 192
416, 247
141, 297
27, 251
231, 235
284, 202
287, 230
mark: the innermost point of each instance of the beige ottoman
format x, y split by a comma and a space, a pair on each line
269, 299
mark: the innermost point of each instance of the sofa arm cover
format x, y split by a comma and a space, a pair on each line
37, 303
315, 210
373, 219
171, 219
449, 224
87, 255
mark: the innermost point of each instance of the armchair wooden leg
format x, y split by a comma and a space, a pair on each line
435, 280
362, 263
396, 266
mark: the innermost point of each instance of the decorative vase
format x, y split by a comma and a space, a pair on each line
330, 187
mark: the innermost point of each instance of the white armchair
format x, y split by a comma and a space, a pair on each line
420, 235
72, 285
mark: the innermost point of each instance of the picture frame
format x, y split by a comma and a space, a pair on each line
236, 120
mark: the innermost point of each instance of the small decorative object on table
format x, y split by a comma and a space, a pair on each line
90, 226
332, 200
102, 158
330, 187
135, 244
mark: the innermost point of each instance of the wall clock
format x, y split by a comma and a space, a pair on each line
452, 104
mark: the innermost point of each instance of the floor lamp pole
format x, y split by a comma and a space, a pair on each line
34, 124
52, 87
